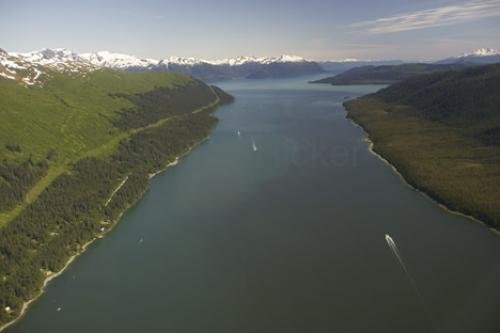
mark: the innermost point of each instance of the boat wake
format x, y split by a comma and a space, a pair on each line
395, 251
254, 147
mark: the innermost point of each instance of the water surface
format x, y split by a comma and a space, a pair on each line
287, 237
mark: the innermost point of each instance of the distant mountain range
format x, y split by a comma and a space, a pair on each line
390, 73
386, 74
338, 66
27, 67
479, 56
30, 67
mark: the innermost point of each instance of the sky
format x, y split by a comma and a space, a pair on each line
212, 29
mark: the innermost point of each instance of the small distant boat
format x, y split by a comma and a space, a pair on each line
254, 147
59, 309
141, 240
239, 133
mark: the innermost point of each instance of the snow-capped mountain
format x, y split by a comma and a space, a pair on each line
479, 56
14, 67
116, 60
181, 61
17, 65
29, 68
124, 61
483, 52
262, 60
48, 56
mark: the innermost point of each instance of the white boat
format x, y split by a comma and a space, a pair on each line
254, 147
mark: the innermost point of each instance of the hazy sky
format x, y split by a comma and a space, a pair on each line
315, 29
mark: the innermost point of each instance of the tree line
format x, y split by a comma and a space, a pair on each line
74, 209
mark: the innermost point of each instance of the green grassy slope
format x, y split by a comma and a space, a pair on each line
386, 74
74, 116
442, 133
85, 153
70, 113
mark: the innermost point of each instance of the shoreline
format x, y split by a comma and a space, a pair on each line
47, 280
441, 205
82, 250
178, 158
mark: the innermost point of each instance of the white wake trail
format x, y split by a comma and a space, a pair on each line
395, 251
254, 146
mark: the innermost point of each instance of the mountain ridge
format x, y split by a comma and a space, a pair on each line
63, 59
386, 74
478, 56
114, 59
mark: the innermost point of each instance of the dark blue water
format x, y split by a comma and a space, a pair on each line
285, 238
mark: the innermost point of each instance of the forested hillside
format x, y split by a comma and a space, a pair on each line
386, 74
442, 132
75, 152
468, 100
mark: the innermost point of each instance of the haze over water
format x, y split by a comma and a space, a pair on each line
288, 237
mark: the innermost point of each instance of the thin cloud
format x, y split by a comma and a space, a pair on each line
436, 17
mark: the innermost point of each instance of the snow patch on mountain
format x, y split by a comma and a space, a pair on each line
116, 60
28, 67
124, 61
237, 61
479, 56
482, 52
182, 61
7, 76
48, 56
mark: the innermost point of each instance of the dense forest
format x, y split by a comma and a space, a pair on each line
47, 127
151, 106
386, 74
468, 100
442, 132
17, 178
84, 203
